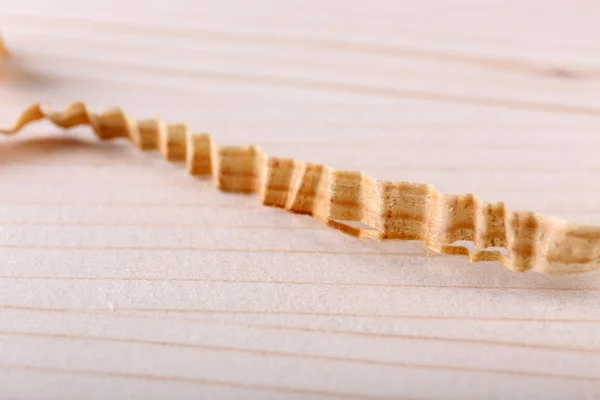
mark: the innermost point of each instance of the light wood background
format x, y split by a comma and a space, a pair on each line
121, 277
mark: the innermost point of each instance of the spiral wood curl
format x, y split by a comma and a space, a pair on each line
395, 211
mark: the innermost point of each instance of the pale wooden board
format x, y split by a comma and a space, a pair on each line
121, 277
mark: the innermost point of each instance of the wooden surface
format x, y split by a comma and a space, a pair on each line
121, 277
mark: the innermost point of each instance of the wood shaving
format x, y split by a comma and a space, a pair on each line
3, 49
395, 211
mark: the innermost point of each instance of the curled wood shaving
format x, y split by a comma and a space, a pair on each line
395, 211
3, 49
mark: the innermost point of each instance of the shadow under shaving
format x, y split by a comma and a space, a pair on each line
21, 151
422, 269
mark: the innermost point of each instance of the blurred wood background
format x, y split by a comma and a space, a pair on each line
121, 277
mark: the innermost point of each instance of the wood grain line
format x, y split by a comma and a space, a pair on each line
283, 354
293, 283
355, 315
497, 63
409, 337
374, 335
122, 312
342, 87
192, 380
209, 250
162, 225
126, 204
